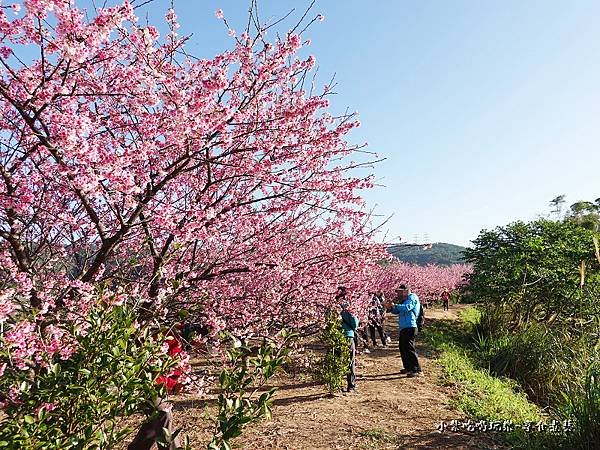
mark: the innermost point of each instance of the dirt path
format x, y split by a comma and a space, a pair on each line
389, 410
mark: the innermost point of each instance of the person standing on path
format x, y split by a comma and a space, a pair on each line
446, 299
350, 325
376, 313
408, 310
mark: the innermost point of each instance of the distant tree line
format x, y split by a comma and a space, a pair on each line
440, 253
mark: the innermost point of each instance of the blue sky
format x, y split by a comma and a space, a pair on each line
485, 111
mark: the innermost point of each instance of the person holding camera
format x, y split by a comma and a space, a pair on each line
407, 309
375, 322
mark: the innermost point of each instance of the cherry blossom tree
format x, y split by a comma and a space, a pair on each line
133, 172
427, 281
126, 161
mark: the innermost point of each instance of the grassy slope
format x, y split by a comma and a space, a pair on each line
480, 395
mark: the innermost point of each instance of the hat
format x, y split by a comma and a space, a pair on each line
403, 287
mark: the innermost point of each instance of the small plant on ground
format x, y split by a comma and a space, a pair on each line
240, 403
333, 367
378, 438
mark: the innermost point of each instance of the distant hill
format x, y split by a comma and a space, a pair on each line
440, 253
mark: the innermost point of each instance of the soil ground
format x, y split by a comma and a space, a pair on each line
388, 411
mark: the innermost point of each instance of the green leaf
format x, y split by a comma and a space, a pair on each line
223, 378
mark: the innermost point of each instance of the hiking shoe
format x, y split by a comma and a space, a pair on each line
405, 371
366, 350
388, 339
414, 374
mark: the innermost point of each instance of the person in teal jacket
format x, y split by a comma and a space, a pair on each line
350, 324
408, 310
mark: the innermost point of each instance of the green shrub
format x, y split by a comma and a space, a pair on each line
582, 409
538, 284
333, 367
81, 402
470, 316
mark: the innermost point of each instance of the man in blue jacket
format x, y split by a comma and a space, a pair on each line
408, 310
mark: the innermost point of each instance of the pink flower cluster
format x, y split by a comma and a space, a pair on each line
28, 347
